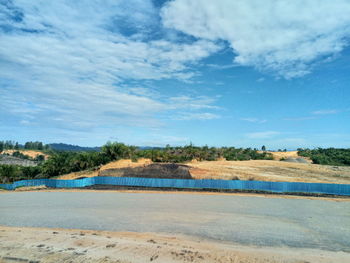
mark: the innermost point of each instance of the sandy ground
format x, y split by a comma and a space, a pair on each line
30, 153
61, 245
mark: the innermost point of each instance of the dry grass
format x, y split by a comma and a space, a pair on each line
261, 170
279, 155
76, 175
126, 164
111, 165
266, 170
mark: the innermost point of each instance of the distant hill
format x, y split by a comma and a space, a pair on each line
73, 148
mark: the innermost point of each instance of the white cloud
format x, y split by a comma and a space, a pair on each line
69, 64
262, 135
325, 112
192, 103
285, 37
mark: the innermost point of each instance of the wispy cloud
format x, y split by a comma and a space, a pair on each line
197, 116
70, 65
193, 103
287, 38
217, 66
325, 112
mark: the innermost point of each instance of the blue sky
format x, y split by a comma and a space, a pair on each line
221, 73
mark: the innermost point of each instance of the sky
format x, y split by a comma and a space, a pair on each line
242, 73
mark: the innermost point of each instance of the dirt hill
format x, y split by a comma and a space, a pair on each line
266, 170
112, 165
262, 170
30, 153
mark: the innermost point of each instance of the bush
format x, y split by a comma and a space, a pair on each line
329, 156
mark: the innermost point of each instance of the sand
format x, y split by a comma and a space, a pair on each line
61, 245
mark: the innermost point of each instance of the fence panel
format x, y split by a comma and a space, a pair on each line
275, 187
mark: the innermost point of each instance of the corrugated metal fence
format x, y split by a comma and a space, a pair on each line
276, 187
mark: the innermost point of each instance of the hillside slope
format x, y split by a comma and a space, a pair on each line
261, 170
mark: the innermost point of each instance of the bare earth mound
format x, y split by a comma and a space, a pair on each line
279, 155
266, 170
30, 153
61, 245
112, 165
260, 170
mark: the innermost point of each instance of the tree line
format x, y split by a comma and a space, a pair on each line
328, 156
63, 162
13, 145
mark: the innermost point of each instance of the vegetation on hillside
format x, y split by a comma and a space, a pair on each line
21, 155
329, 156
73, 148
65, 162
11, 173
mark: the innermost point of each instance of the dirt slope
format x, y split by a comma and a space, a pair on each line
262, 170
112, 165
266, 170
289, 154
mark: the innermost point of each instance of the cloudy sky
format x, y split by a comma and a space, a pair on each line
225, 72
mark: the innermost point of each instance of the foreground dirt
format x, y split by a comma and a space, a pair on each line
62, 245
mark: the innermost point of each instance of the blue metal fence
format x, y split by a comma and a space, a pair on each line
275, 187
